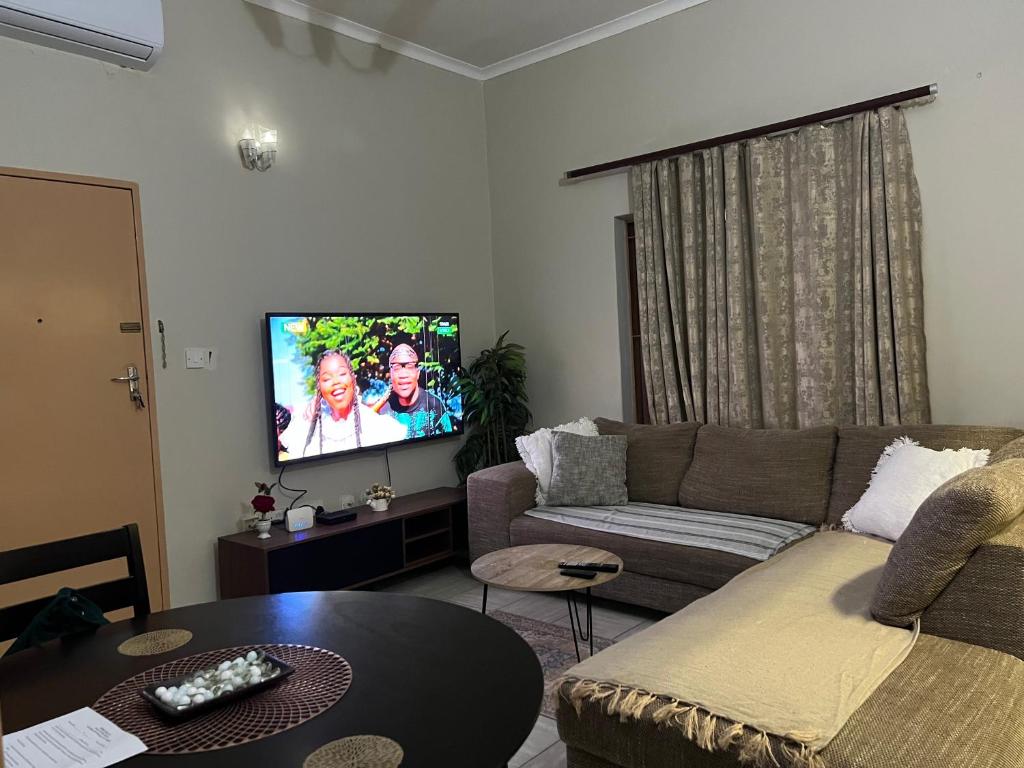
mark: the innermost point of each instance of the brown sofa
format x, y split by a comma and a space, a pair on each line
813, 475
967, 668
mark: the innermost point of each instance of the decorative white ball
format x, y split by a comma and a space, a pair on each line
251, 656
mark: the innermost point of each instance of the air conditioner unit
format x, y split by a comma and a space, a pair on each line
125, 32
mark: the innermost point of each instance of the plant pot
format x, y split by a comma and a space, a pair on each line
263, 529
379, 505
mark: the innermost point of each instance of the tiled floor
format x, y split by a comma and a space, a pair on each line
613, 621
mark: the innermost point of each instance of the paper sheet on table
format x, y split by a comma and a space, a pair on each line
82, 739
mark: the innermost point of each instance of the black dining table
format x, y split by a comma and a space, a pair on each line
452, 687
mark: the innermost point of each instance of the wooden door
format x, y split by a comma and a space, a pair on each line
77, 455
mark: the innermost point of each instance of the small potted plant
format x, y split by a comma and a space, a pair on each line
263, 506
379, 496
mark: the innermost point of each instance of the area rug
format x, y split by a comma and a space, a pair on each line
554, 648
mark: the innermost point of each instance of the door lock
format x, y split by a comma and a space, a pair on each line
134, 393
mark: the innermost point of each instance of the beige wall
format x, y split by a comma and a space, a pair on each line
727, 65
380, 199
379, 202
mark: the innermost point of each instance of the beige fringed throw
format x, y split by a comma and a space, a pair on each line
771, 665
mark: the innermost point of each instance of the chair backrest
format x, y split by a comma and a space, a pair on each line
54, 557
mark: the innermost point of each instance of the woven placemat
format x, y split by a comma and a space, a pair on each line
357, 752
321, 678
155, 642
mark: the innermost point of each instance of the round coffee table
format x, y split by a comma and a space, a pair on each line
534, 568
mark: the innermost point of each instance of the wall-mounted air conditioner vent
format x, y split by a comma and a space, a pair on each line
125, 32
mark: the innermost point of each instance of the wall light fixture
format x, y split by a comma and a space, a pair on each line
258, 146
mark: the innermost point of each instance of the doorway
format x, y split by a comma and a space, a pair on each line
79, 446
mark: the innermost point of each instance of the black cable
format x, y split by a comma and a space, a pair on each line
387, 465
280, 484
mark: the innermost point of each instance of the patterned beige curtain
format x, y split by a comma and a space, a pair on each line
780, 279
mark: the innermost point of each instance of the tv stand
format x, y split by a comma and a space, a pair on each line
415, 530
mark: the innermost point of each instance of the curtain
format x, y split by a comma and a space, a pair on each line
779, 279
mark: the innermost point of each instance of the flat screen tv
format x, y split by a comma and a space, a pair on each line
342, 383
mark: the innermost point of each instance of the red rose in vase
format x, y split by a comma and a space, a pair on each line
262, 504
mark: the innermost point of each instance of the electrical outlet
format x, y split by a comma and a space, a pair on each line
314, 503
247, 518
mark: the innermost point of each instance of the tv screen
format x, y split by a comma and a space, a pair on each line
351, 382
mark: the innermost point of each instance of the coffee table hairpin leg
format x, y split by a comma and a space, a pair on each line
576, 624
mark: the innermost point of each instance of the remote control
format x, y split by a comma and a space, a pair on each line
578, 573
603, 567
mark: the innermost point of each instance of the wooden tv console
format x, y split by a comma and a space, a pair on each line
415, 530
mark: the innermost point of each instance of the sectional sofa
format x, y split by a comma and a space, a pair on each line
956, 702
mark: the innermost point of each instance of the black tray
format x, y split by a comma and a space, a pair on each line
173, 713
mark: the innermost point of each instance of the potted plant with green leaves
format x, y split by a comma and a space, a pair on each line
495, 408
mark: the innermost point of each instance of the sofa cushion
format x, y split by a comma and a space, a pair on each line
906, 475
707, 568
783, 473
657, 457
747, 535
984, 604
904, 723
958, 517
587, 470
858, 450
1012, 450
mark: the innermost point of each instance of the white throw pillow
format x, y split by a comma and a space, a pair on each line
535, 450
905, 475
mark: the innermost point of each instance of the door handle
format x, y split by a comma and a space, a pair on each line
134, 393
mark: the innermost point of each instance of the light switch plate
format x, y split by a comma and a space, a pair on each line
200, 357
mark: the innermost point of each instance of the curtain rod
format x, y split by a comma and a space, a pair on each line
903, 97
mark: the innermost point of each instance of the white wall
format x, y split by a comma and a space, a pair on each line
378, 202
727, 65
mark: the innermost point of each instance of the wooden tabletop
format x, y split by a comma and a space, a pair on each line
534, 567
453, 687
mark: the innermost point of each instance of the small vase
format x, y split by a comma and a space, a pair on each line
263, 529
379, 505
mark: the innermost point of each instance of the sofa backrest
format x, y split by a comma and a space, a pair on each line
858, 450
657, 457
780, 473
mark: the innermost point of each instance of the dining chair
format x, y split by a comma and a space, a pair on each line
56, 556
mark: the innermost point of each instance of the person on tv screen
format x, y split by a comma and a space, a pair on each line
420, 411
337, 420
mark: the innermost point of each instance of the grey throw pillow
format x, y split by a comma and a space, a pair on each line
587, 471
958, 517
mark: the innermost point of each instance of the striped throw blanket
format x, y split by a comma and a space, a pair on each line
755, 537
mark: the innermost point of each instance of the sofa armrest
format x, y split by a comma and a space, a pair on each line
984, 604
495, 496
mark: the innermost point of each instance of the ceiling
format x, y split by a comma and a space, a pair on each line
478, 38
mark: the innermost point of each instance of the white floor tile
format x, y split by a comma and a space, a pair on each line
543, 736
552, 757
